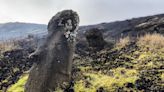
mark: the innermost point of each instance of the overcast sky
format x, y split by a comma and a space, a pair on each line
90, 11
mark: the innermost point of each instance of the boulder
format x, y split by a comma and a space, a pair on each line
95, 38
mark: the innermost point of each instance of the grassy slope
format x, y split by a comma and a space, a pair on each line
19, 86
129, 66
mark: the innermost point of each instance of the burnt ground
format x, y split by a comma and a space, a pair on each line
110, 63
12, 65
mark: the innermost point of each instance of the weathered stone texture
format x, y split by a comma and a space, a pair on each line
54, 57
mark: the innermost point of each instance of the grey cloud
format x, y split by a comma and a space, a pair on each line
90, 11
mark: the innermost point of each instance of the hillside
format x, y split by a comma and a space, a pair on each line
112, 30
18, 29
132, 60
130, 66
131, 27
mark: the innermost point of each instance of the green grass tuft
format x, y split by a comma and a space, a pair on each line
19, 86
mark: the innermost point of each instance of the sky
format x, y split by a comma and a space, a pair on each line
90, 11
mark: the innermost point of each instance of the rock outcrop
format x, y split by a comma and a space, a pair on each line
54, 57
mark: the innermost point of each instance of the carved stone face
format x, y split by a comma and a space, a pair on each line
67, 21
55, 55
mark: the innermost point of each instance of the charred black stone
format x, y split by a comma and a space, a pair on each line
13, 64
129, 85
101, 89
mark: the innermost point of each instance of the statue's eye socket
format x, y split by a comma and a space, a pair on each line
63, 22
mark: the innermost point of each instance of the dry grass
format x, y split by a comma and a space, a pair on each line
123, 42
152, 41
8, 45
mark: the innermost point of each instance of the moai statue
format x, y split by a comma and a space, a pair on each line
54, 56
95, 39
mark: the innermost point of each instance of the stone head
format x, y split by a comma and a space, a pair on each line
66, 21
